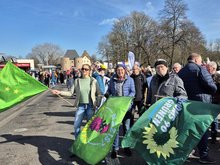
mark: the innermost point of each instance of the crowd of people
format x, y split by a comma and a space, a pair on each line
51, 79
92, 85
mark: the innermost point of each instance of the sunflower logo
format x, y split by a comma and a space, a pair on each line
160, 148
84, 133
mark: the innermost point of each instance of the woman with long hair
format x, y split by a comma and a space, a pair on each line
87, 90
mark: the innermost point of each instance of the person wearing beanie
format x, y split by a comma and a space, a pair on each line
159, 62
164, 84
120, 65
121, 84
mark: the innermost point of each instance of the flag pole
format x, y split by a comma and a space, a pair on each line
62, 98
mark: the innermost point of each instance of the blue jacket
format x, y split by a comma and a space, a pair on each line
100, 81
198, 82
128, 86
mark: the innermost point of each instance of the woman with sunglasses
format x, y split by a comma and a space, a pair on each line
87, 90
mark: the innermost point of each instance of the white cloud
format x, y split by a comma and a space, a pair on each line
149, 7
108, 21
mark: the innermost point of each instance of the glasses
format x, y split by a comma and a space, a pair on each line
86, 69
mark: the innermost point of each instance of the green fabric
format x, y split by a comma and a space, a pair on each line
16, 86
169, 130
84, 90
96, 138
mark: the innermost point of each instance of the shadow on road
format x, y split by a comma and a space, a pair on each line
67, 106
66, 122
45, 146
63, 114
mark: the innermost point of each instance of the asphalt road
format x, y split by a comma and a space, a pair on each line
40, 131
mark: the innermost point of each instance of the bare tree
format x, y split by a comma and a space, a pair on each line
104, 48
135, 32
192, 41
213, 51
173, 18
94, 58
36, 60
173, 38
47, 53
143, 37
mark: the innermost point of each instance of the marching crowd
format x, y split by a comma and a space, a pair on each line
92, 85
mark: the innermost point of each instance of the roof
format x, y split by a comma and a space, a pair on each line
85, 54
71, 54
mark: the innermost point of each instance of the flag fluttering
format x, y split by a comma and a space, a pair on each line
17, 86
169, 130
131, 59
96, 138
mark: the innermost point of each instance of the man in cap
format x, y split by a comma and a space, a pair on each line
164, 84
99, 75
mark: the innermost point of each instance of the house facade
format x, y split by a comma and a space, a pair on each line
72, 59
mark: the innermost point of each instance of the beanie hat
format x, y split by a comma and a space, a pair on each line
120, 65
159, 62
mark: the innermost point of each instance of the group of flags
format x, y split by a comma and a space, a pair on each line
166, 133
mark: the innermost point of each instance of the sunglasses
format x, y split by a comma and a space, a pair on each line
86, 69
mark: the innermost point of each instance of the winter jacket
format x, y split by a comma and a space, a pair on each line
172, 86
198, 82
128, 86
140, 86
100, 81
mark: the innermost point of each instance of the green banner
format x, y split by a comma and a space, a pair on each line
169, 130
17, 86
96, 138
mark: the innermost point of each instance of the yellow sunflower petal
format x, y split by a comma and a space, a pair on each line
158, 153
173, 143
173, 133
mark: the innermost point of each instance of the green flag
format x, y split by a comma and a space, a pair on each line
96, 138
16, 86
169, 130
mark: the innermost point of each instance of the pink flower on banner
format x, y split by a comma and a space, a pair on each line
99, 126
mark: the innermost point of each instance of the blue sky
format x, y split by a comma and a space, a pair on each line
80, 24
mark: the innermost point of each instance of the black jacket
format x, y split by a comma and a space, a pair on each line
140, 86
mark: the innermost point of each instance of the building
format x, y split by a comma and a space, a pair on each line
68, 61
25, 64
72, 59
48, 68
85, 59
